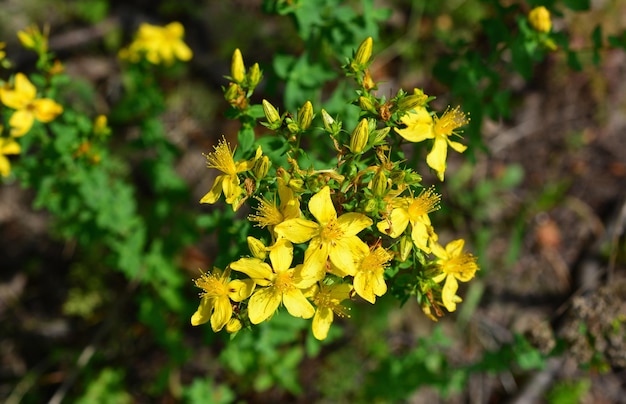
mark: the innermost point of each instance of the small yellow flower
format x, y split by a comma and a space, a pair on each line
218, 291
270, 215
277, 283
539, 19
158, 44
454, 265
414, 211
228, 183
7, 146
420, 126
331, 237
23, 98
327, 300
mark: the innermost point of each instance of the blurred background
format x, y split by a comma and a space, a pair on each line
540, 197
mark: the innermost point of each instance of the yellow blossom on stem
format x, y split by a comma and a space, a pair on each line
330, 237
270, 215
28, 108
539, 19
327, 300
7, 146
158, 44
228, 183
218, 291
277, 283
32, 38
454, 265
421, 126
414, 211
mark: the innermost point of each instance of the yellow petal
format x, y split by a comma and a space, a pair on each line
46, 109
263, 304
259, 271
240, 289
321, 206
203, 314
353, 223
448, 293
216, 190
420, 236
231, 188
222, 312
399, 219
455, 248
315, 258
345, 252
456, 146
24, 87
5, 166
368, 285
321, 322
419, 125
281, 255
297, 230
9, 146
436, 159
297, 305
21, 121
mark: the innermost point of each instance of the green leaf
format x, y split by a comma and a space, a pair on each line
577, 5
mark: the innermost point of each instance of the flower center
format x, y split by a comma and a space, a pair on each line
268, 214
222, 158
211, 286
331, 232
426, 202
451, 120
283, 282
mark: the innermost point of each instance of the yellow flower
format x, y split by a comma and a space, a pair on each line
414, 211
218, 291
331, 237
228, 183
270, 215
369, 280
23, 98
327, 300
2, 52
278, 284
454, 264
539, 19
420, 126
158, 44
7, 146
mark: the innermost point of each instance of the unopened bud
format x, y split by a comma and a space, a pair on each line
257, 248
232, 92
406, 246
261, 167
368, 82
539, 19
359, 137
379, 135
363, 54
305, 116
379, 184
418, 99
370, 205
237, 68
254, 75
296, 184
233, 325
367, 105
271, 113
328, 121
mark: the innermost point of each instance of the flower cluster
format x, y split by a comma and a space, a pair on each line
348, 231
24, 105
158, 45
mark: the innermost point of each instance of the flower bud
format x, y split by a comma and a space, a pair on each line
364, 52
328, 121
232, 92
370, 205
233, 325
367, 105
417, 99
359, 137
237, 68
406, 245
261, 167
305, 116
254, 75
368, 82
379, 135
539, 19
379, 183
257, 248
296, 184
271, 113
